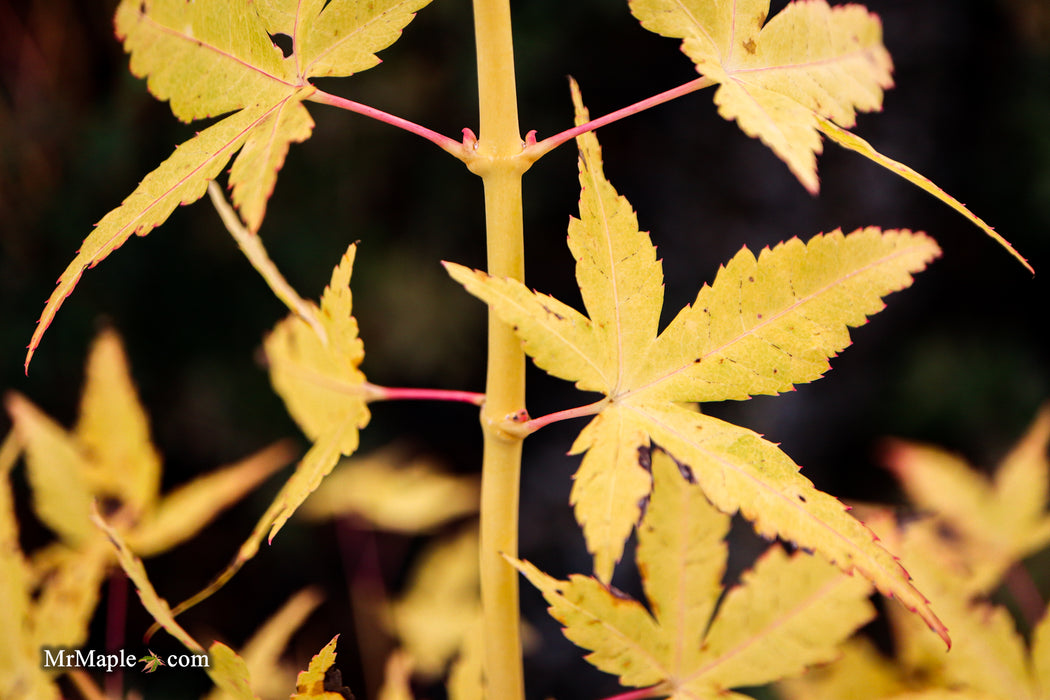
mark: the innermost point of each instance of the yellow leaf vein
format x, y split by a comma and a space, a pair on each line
816, 63
221, 52
772, 318
353, 34
133, 224
783, 619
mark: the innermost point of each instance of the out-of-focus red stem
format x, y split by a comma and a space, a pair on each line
383, 393
639, 694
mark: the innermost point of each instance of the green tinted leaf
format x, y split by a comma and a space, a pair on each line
229, 672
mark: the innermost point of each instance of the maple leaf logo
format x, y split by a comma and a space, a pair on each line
151, 662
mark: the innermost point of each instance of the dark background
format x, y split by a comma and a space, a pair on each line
960, 359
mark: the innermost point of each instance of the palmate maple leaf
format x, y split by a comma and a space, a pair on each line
989, 659
998, 521
322, 387
805, 72
788, 612
109, 458
764, 325
314, 367
777, 79
212, 57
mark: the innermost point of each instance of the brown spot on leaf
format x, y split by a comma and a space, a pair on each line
749, 46
108, 505
645, 458
552, 313
684, 469
333, 683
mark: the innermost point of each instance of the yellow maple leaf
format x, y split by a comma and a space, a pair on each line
765, 324
787, 613
805, 72
441, 603
48, 600
313, 683
261, 653
109, 458
988, 660
321, 384
107, 461
777, 78
391, 489
206, 60
314, 367
1000, 520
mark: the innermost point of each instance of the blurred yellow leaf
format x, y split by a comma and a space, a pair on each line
262, 652
57, 470
68, 595
70, 472
1002, 519
988, 658
186, 509
46, 601
391, 490
397, 677
441, 603
861, 673
466, 678
109, 458
113, 429
21, 677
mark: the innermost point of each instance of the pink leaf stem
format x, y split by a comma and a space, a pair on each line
383, 393
541, 148
451, 146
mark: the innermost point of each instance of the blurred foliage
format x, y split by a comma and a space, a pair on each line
960, 360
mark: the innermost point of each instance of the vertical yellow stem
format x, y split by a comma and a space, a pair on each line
499, 164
